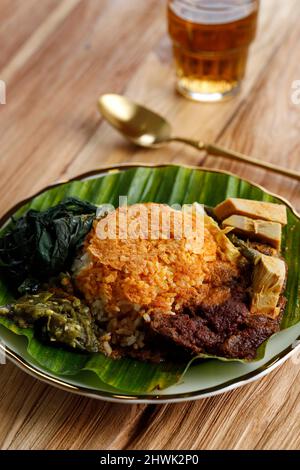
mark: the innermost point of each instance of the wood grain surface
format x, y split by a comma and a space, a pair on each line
57, 56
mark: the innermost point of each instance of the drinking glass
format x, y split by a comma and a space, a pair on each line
211, 40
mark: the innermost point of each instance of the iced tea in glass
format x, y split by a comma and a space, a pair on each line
211, 41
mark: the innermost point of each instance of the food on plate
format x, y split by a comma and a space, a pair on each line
254, 209
255, 229
43, 243
148, 281
269, 275
63, 318
127, 282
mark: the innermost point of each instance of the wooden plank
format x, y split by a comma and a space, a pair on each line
38, 36
51, 107
151, 85
30, 14
247, 418
259, 416
37, 416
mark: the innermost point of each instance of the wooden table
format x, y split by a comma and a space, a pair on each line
57, 56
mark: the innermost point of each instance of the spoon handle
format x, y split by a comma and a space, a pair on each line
217, 150
220, 151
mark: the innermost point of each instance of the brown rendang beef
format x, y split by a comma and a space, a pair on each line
226, 330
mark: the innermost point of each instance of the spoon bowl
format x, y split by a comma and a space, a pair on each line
140, 125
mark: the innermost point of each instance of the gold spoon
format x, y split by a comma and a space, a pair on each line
145, 128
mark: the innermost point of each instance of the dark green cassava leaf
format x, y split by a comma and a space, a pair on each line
42, 243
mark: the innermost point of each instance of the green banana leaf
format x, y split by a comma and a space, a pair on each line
169, 184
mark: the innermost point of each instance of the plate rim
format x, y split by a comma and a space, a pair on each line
120, 397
